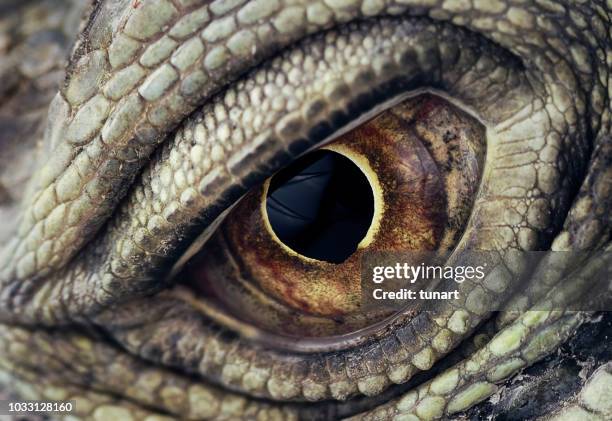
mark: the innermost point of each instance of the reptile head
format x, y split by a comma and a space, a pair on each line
142, 269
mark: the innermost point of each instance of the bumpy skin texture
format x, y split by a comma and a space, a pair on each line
172, 109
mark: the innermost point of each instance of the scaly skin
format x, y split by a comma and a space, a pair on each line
172, 109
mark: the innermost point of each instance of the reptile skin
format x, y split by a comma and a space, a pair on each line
168, 111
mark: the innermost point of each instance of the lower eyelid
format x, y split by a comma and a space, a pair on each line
178, 338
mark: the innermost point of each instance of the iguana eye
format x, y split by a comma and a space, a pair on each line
288, 256
184, 126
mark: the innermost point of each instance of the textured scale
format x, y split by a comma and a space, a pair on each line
172, 109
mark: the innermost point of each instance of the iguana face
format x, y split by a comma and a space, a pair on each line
172, 110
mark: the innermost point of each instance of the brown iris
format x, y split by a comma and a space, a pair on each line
288, 257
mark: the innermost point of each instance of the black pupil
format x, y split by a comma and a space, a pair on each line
321, 206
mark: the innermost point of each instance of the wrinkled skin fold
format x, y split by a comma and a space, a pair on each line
113, 161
